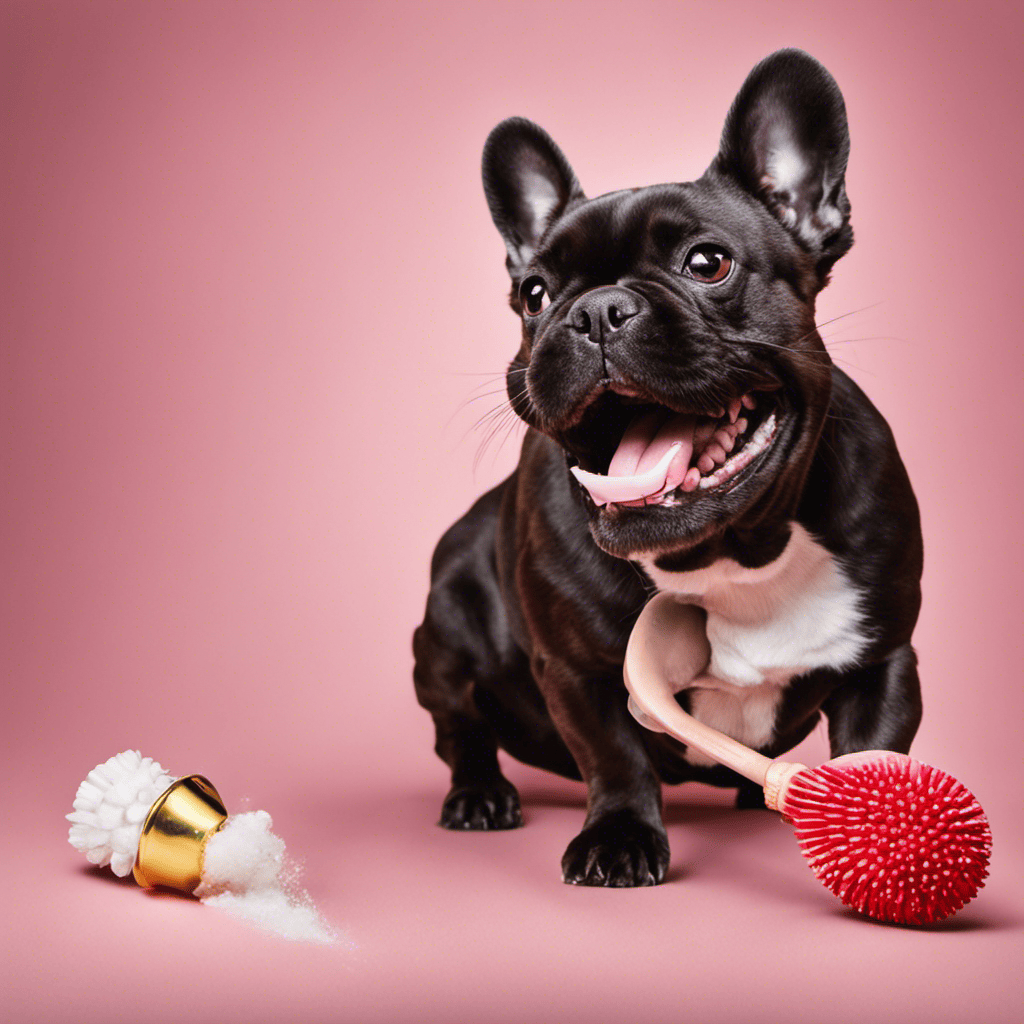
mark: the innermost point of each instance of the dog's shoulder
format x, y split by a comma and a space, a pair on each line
859, 504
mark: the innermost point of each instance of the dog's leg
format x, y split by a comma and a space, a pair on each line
480, 796
877, 707
623, 841
750, 796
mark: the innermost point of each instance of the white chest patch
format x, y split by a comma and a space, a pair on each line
766, 626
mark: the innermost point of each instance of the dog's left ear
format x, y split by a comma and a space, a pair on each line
786, 141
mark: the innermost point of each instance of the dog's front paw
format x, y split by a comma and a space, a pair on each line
482, 806
619, 850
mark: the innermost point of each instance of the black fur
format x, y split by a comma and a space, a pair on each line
535, 590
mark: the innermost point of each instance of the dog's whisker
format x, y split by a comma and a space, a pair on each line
492, 379
501, 407
841, 316
859, 338
500, 379
484, 421
495, 378
485, 373
512, 426
497, 414
504, 426
486, 394
467, 402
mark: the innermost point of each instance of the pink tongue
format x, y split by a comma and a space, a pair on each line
651, 458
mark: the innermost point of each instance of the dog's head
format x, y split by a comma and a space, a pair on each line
669, 344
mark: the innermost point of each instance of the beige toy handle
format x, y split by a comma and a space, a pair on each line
667, 650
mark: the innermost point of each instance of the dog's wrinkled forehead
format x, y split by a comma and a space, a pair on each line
620, 233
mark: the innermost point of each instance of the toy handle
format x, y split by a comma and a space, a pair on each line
669, 646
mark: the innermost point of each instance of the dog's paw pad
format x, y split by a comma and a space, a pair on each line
482, 807
619, 851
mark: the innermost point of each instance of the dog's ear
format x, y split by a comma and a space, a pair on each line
786, 141
528, 184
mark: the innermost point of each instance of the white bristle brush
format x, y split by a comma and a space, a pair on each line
111, 806
897, 840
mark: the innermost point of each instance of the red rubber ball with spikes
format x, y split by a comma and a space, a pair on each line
895, 839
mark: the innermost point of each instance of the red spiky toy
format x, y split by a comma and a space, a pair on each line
893, 838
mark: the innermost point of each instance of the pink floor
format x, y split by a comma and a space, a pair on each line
254, 307
447, 927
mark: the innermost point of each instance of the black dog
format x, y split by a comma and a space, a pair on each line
688, 433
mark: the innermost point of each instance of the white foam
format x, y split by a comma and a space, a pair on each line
247, 874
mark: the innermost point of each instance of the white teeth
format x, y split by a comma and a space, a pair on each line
761, 439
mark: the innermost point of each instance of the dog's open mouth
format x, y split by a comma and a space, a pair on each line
633, 453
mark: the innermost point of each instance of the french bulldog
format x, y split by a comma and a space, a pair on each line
687, 432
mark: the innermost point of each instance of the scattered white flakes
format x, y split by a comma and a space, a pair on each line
247, 874
273, 910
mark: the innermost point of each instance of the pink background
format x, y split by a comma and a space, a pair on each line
252, 285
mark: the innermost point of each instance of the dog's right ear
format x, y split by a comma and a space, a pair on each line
528, 184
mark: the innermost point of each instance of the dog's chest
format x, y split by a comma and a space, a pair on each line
766, 626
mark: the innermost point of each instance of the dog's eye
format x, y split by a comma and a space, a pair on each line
533, 294
708, 264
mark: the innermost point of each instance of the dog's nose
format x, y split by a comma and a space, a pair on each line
599, 313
